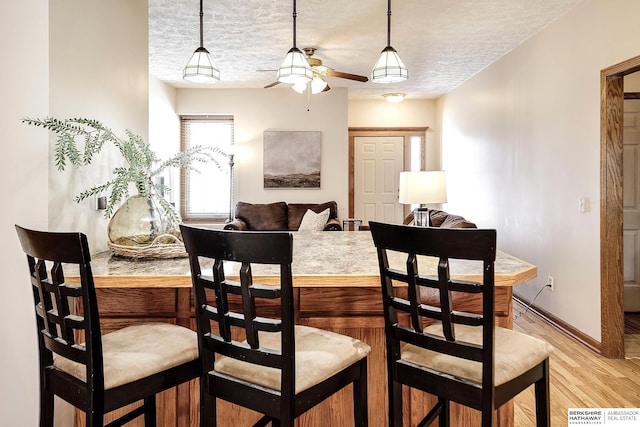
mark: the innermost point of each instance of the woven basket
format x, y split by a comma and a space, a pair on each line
153, 250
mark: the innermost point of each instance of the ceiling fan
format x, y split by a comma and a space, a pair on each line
318, 83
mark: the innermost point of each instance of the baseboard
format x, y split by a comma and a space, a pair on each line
563, 327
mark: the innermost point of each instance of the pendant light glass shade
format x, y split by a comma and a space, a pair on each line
389, 68
200, 68
295, 68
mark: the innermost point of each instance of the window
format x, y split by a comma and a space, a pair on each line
206, 194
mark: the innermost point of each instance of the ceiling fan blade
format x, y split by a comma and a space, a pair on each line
272, 84
334, 73
326, 88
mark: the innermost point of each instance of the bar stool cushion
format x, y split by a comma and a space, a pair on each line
515, 353
319, 355
138, 351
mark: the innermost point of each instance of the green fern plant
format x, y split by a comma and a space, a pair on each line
80, 139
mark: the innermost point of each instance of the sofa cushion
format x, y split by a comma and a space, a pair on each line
446, 220
297, 211
262, 217
312, 221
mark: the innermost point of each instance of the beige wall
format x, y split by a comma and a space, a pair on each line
98, 71
24, 79
257, 110
408, 113
521, 145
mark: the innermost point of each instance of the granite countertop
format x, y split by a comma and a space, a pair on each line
348, 254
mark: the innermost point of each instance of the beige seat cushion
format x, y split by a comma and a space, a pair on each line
138, 351
515, 353
319, 355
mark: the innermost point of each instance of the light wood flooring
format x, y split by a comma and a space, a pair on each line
580, 378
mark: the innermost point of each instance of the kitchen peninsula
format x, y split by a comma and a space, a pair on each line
336, 283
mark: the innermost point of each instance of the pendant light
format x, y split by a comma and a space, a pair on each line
295, 68
200, 68
389, 68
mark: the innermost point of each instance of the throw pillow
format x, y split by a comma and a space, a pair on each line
312, 221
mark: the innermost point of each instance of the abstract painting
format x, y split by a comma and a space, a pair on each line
292, 159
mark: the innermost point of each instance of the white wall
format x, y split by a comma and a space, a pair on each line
24, 83
80, 34
257, 110
521, 144
99, 70
408, 113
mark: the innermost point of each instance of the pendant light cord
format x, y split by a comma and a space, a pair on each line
201, 15
294, 22
389, 24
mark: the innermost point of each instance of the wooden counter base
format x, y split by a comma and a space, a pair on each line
358, 314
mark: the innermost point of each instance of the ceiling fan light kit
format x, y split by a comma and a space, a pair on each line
389, 68
200, 68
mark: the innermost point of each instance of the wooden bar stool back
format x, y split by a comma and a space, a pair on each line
252, 353
96, 373
452, 354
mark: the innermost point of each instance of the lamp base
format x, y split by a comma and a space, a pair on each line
421, 217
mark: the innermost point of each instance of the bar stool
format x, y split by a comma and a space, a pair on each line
455, 355
105, 372
253, 354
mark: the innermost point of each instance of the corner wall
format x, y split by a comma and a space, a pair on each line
24, 81
521, 145
99, 69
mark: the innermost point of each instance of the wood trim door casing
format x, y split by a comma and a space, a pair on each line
611, 214
407, 133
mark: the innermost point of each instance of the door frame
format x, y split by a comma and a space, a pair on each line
407, 133
611, 211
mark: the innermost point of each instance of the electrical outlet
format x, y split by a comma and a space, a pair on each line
550, 282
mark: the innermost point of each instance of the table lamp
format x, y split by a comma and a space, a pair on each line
422, 187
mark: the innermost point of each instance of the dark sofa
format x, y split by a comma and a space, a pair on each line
443, 220
279, 216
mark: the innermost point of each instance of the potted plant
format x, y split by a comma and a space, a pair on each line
146, 224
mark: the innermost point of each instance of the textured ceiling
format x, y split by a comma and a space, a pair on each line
442, 42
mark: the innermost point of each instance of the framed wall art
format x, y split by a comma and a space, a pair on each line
292, 159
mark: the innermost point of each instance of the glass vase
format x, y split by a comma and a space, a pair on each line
140, 222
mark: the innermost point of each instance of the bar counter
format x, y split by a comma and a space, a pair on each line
336, 282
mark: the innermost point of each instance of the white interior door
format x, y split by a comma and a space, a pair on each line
378, 161
631, 203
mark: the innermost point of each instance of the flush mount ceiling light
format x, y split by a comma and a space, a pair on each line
200, 68
389, 68
394, 97
295, 68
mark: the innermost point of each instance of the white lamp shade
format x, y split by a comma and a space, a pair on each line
295, 68
299, 87
200, 68
317, 85
422, 187
389, 68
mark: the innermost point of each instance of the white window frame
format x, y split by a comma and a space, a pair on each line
193, 208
